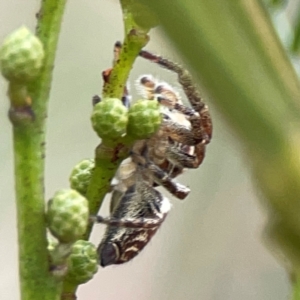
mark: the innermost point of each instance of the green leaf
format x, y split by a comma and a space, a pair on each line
237, 57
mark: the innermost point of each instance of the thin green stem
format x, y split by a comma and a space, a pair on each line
36, 282
29, 150
134, 41
107, 161
109, 155
48, 28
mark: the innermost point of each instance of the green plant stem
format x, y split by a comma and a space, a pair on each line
234, 50
35, 280
107, 161
134, 41
29, 149
109, 155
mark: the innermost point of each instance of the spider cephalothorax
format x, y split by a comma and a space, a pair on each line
137, 208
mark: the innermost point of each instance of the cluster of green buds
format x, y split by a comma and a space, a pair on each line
112, 120
67, 217
67, 213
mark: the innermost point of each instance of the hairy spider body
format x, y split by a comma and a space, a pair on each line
137, 208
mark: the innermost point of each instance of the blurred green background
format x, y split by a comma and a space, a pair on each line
209, 247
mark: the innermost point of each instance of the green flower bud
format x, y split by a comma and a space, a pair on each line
67, 215
82, 262
109, 118
21, 56
81, 176
144, 118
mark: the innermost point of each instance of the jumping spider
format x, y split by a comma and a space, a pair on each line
137, 208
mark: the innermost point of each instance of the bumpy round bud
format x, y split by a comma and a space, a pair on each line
81, 176
109, 118
67, 215
21, 56
82, 262
144, 118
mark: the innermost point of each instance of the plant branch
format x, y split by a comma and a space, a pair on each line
107, 160
29, 150
134, 41
109, 154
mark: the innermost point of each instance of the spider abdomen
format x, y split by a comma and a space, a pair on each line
126, 247
132, 224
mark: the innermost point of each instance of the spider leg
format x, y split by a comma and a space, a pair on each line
162, 178
145, 217
117, 50
159, 176
106, 75
96, 99
142, 223
188, 87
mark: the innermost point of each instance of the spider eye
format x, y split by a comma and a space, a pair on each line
109, 254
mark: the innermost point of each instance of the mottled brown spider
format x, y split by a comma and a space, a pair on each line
137, 208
